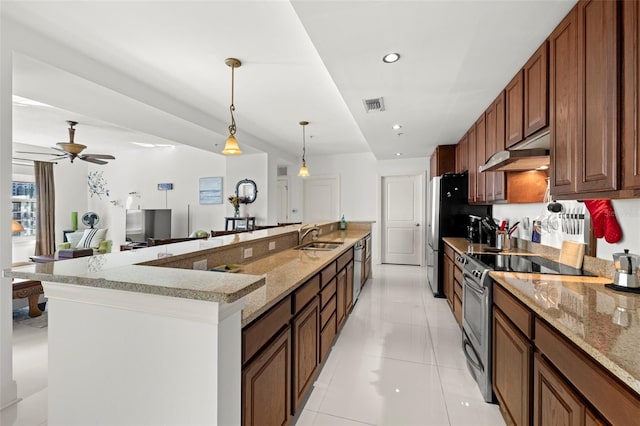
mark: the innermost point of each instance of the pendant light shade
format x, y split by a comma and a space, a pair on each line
231, 145
304, 172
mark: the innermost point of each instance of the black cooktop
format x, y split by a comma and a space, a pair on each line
529, 264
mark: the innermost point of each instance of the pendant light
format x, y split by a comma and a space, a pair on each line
231, 145
304, 172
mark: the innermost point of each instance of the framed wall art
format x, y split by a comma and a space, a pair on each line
211, 190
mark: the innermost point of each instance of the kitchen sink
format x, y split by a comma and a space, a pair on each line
320, 245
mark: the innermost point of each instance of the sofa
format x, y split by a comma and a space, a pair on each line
94, 238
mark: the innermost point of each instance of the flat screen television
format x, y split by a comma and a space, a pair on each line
148, 223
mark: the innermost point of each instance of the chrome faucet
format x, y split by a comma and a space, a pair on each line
311, 229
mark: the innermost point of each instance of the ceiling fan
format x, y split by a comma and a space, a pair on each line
73, 150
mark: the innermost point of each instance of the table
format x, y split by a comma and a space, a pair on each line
249, 222
62, 255
31, 289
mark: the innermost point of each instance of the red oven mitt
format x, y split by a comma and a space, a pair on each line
604, 220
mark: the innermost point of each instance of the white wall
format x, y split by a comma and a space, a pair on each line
142, 170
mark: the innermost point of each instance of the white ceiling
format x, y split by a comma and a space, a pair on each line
153, 71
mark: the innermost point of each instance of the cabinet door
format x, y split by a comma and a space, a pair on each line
512, 354
597, 152
306, 350
563, 104
490, 148
499, 179
447, 279
536, 93
349, 290
341, 296
481, 158
631, 113
554, 403
266, 385
462, 161
514, 93
473, 167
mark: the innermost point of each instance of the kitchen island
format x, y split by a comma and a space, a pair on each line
137, 337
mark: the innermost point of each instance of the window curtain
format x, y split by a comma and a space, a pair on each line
45, 235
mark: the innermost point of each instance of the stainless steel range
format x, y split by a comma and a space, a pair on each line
477, 314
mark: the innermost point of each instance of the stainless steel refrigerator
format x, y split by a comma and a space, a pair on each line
448, 216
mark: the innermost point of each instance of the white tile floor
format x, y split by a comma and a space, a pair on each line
397, 361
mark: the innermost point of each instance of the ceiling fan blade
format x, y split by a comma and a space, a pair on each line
40, 153
104, 156
92, 160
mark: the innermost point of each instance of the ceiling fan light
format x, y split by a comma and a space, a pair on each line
231, 146
71, 147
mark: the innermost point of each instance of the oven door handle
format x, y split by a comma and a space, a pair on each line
468, 281
470, 357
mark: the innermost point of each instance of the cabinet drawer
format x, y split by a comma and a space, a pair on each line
457, 275
327, 292
617, 404
305, 293
518, 313
327, 312
326, 337
328, 273
344, 259
259, 332
457, 289
449, 251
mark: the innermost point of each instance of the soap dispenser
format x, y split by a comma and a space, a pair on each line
343, 224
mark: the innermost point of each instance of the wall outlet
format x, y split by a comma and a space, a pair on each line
248, 252
272, 245
200, 265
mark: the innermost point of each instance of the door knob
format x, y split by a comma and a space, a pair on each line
417, 224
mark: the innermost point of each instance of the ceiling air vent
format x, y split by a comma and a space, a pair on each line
373, 105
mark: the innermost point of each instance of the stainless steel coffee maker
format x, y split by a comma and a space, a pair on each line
473, 229
627, 269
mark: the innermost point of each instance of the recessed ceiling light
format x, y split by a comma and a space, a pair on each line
397, 127
398, 154
390, 58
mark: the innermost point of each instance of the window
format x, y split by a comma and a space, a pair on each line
23, 200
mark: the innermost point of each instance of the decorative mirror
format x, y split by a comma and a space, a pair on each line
247, 191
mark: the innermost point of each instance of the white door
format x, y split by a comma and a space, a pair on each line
402, 234
283, 200
321, 199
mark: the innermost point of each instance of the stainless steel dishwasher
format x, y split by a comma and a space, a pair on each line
357, 270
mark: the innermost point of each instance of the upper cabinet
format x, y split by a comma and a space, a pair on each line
462, 155
443, 160
481, 157
515, 110
473, 164
536, 92
495, 141
631, 106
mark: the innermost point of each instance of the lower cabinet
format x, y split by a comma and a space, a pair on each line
341, 297
266, 384
348, 300
511, 370
305, 330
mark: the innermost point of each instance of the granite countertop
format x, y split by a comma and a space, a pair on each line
602, 322
463, 246
123, 270
285, 271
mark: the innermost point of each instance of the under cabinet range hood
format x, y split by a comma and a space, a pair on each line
531, 154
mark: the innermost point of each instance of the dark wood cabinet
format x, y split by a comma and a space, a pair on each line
305, 330
597, 150
341, 297
514, 99
266, 385
512, 354
563, 104
462, 155
473, 164
481, 156
536, 91
495, 182
443, 160
349, 289
447, 277
554, 402
630, 100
